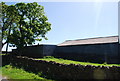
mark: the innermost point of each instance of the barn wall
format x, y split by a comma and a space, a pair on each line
98, 53
119, 53
30, 51
90, 53
0, 46
36, 51
33, 51
48, 50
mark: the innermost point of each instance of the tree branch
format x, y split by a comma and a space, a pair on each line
4, 43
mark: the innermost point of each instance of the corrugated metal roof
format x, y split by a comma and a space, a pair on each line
99, 40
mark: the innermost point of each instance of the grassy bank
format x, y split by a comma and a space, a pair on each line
64, 61
15, 73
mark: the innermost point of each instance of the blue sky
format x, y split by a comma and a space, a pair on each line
79, 20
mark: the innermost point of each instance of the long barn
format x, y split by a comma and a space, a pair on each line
101, 49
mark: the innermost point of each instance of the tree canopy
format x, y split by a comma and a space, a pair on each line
23, 24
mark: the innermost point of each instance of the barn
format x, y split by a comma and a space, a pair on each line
100, 50
97, 50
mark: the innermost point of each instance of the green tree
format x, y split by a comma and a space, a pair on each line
8, 17
4, 23
25, 23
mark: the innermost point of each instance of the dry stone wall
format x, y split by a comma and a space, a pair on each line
64, 72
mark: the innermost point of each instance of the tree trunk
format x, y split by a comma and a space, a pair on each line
8, 39
7, 47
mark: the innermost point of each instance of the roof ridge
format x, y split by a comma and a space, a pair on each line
107, 39
92, 38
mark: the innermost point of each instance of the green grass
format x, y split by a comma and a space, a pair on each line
64, 61
15, 73
3, 54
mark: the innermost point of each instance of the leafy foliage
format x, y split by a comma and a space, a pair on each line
24, 23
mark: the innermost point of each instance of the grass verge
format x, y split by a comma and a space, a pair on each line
14, 73
64, 61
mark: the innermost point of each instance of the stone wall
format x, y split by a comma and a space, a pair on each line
64, 72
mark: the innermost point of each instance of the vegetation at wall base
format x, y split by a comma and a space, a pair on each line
18, 74
64, 61
3, 54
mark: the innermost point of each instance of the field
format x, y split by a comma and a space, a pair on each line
64, 61
14, 73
